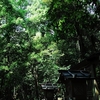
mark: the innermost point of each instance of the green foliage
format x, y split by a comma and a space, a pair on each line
31, 53
26, 58
13, 54
45, 54
76, 23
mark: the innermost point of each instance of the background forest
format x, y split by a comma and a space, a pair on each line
39, 37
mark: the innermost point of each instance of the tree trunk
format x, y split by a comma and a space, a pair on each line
35, 74
80, 39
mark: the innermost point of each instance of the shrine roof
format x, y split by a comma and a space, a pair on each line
48, 86
75, 74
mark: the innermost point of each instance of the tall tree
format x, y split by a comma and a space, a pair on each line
12, 55
76, 23
27, 58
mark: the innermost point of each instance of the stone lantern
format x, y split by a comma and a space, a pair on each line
76, 84
49, 90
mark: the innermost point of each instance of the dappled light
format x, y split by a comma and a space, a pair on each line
40, 37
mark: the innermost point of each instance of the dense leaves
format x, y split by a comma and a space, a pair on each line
26, 58
77, 24
38, 37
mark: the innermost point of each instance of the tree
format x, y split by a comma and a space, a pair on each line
25, 59
13, 40
76, 26
43, 60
